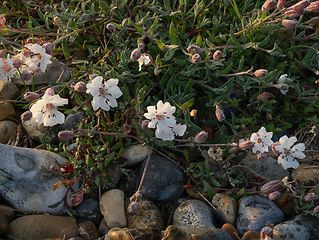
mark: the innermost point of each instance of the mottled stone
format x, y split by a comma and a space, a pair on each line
305, 174
255, 211
231, 230
227, 209
89, 209
6, 128
113, 209
147, 212
208, 233
136, 154
8, 90
88, 231
24, 186
163, 181
174, 233
32, 227
7, 211
51, 75
193, 213
6, 109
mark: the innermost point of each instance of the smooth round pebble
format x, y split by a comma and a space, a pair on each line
231, 230
227, 209
3, 224
89, 209
136, 154
6, 128
8, 90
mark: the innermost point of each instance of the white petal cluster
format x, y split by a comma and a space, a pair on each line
104, 93
45, 110
282, 81
262, 140
145, 59
6, 68
288, 152
39, 59
163, 120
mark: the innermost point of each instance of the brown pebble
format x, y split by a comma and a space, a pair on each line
251, 235
7, 211
88, 231
3, 224
231, 230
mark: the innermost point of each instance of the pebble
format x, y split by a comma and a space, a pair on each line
227, 209
88, 231
71, 120
251, 235
254, 212
6, 109
6, 128
193, 213
8, 90
51, 75
208, 233
163, 179
89, 209
136, 154
174, 233
306, 175
113, 209
103, 229
231, 230
7, 211
147, 212
41, 227
22, 183
3, 224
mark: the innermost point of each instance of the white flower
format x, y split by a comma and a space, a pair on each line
40, 59
288, 154
45, 110
104, 93
283, 79
145, 59
168, 135
262, 140
6, 69
162, 117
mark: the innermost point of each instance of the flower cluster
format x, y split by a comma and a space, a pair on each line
163, 120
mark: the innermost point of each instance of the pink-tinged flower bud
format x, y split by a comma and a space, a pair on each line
273, 148
56, 20
194, 48
26, 76
272, 186
2, 53
315, 210
262, 156
201, 137
265, 96
268, 5
261, 73
281, 3
266, 233
50, 91
135, 54
26, 116
219, 114
310, 197
133, 207
31, 96
80, 87
126, 128
289, 23
235, 150
290, 12
313, 7
274, 195
16, 62
66, 135
196, 58
217, 55
110, 26
33, 40
2, 21
145, 125
92, 76
48, 48
301, 5
245, 145
25, 52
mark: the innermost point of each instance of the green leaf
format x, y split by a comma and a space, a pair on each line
117, 146
138, 28
233, 38
160, 44
188, 104
199, 40
172, 34
167, 6
209, 190
215, 182
65, 49
285, 125
227, 69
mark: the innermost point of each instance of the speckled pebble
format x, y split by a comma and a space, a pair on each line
174, 233
136, 154
8, 90
227, 209
208, 233
306, 175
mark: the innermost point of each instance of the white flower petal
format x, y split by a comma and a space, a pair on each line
297, 154
111, 101
299, 147
179, 129
291, 141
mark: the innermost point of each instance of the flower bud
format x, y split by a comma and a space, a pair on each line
219, 114
66, 135
310, 197
290, 12
265, 96
135, 54
301, 5
262, 156
50, 91
261, 73
193, 113
16, 62
110, 26
31, 96
197, 49
315, 210
245, 145
33, 40
2, 21
274, 195
145, 124
48, 8
281, 3
26, 76
80, 87
56, 20
92, 76
284, 87
201, 137
133, 207
268, 5
217, 55
25, 52
272, 186
2, 53
266, 233
196, 58
26, 116
126, 128
48, 48
289, 23
235, 150
313, 7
